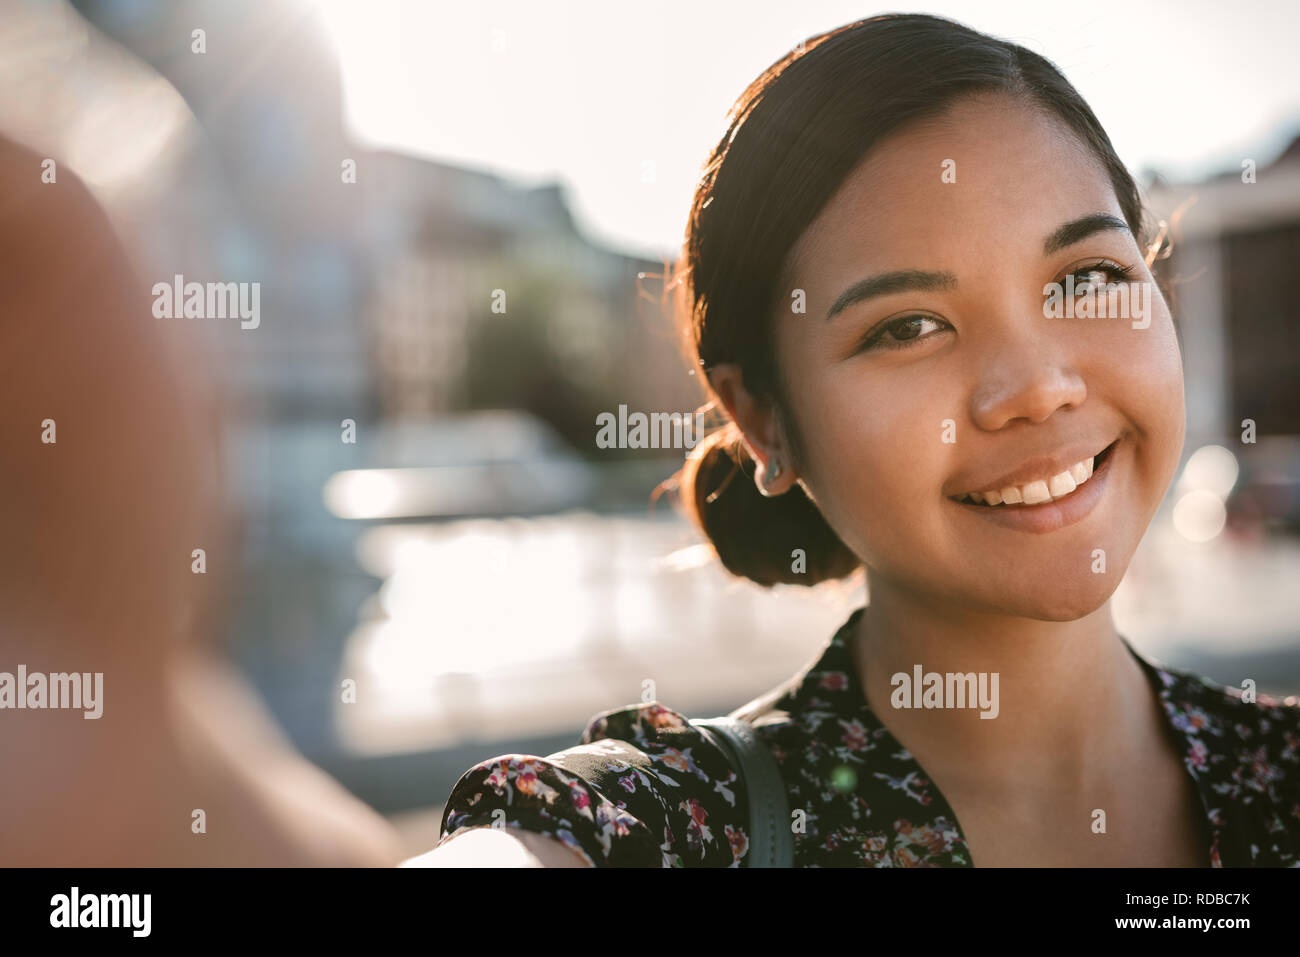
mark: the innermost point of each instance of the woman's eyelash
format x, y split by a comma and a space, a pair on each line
1116, 272
877, 339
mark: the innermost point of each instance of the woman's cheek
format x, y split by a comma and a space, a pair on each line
881, 478
1142, 380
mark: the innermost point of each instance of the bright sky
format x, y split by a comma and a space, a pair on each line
622, 102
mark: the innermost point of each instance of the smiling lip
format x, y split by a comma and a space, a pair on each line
1041, 467
1054, 514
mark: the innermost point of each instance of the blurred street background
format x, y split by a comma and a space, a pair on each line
486, 574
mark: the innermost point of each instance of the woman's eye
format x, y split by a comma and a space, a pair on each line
898, 333
1101, 274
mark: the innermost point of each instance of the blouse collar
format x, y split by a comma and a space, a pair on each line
831, 686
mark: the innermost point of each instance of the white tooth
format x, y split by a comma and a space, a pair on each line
1079, 472
1036, 492
975, 497
1011, 495
1089, 463
993, 498
1062, 484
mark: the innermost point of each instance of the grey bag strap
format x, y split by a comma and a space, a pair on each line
770, 841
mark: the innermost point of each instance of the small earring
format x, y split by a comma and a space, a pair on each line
772, 471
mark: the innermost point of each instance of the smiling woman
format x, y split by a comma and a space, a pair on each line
864, 271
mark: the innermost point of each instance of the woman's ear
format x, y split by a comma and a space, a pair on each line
760, 429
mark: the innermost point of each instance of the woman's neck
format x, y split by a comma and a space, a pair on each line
1069, 698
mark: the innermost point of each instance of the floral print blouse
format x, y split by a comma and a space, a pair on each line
644, 788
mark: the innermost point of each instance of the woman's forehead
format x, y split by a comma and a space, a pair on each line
990, 169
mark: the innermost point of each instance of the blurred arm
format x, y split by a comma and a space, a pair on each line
499, 847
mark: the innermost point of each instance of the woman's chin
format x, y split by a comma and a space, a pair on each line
1051, 602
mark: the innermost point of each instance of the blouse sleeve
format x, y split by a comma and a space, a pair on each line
643, 788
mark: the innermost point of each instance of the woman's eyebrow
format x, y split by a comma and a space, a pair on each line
1079, 229
902, 280
905, 280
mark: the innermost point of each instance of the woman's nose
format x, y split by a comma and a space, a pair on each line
1027, 380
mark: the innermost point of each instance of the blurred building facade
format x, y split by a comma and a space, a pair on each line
1235, 246
376, 266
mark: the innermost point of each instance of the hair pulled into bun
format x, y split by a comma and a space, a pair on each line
781, 539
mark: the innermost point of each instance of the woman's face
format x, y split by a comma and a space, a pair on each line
910, 397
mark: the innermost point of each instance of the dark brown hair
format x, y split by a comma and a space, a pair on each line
794, 135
